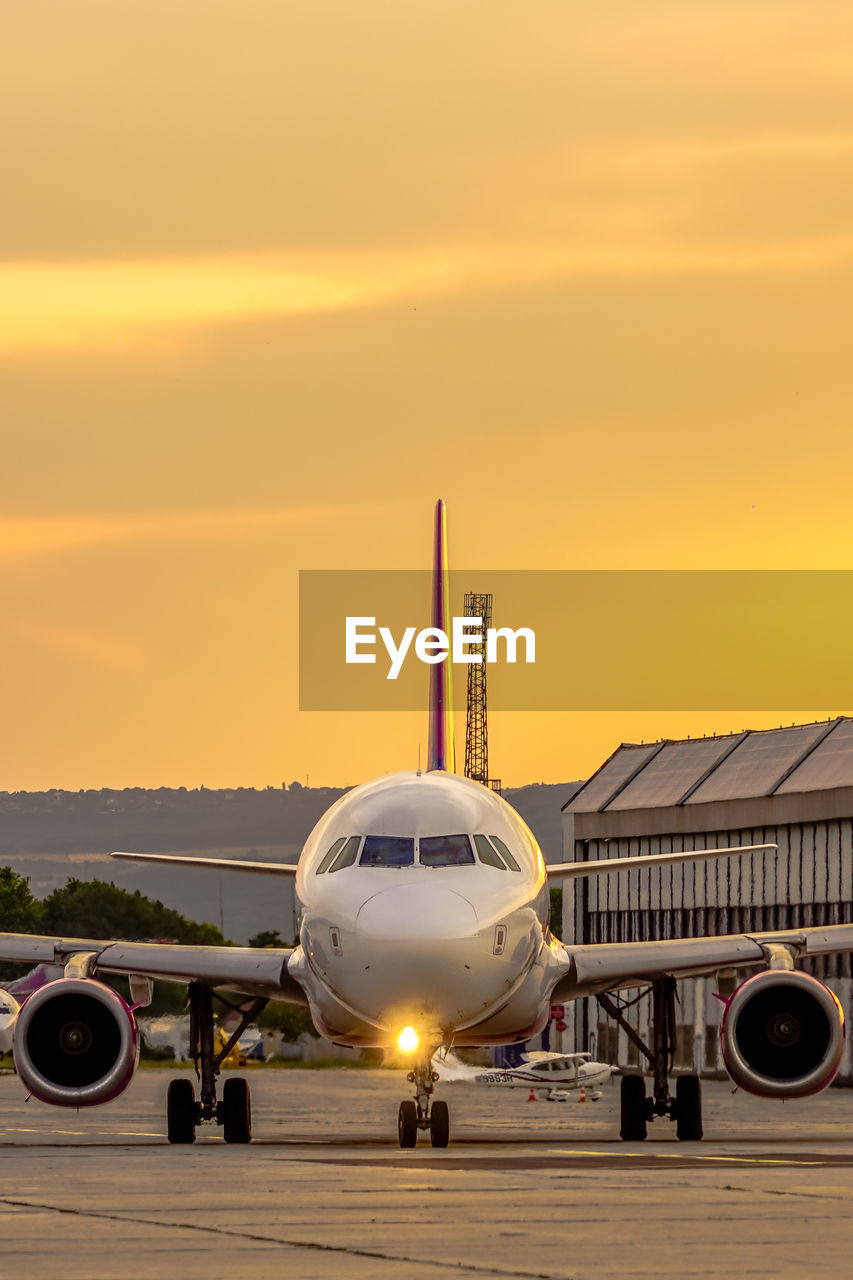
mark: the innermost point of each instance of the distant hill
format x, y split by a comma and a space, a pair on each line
50, 836
157, 821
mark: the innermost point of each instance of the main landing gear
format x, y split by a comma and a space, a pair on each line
638, 1109
423, 1113
234, 1110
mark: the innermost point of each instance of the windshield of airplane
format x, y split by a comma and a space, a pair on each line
432, 851
329, 858
445, 851
347, 855
505, 853
487, 854
388, 851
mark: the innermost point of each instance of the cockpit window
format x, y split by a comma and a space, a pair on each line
445, 851
505, 853
487, 854
331, 855
388, 851
347, 855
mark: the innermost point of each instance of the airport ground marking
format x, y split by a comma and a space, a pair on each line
87, 1133
257, 1238
647, 1154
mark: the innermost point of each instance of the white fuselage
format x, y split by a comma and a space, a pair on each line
460, 952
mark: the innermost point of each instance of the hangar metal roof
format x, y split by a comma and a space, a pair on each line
615, 773
829, 764
755, 763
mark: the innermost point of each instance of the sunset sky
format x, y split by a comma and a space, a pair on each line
275, 276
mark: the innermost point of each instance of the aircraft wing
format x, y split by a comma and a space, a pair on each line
608, 866
216, 864
247, 970
563, 1061
609, 966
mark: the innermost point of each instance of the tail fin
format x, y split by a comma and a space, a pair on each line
441, 753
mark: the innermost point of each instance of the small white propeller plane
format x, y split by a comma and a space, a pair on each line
552, 1076
424, 924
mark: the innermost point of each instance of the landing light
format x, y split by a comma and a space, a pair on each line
407, 1040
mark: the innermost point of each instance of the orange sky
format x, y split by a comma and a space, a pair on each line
275, 277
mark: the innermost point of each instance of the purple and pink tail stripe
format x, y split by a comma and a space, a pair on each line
441, 753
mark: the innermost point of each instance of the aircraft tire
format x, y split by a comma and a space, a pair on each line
634, 1126
688, 1108
180, 1112
407, 1124
236, 1111
439, 1129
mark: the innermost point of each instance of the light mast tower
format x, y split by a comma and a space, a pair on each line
476, 728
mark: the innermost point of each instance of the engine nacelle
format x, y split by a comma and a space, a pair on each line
76, 1043
9, 1009
782, 1035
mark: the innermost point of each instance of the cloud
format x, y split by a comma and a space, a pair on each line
33, 535
105, 304
110, 303
81, 645
73, 304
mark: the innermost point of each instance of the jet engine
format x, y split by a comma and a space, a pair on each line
9, 1009
76, 1043
782, 1035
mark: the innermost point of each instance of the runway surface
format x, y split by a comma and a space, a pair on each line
524, 1190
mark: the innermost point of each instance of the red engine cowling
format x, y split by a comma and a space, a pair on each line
76, 1043
782, 1035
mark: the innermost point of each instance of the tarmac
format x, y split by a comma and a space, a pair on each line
524, 1190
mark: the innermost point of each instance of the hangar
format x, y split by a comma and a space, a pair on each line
792, 786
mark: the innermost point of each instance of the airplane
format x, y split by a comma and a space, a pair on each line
551, 1075
423, 910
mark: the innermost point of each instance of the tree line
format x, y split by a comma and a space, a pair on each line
98, 909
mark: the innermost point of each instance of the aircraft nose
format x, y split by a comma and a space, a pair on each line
431, 913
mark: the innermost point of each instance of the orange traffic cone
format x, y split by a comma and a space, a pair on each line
532, 1097
582, 1098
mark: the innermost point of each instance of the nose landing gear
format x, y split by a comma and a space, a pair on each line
423, 1113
